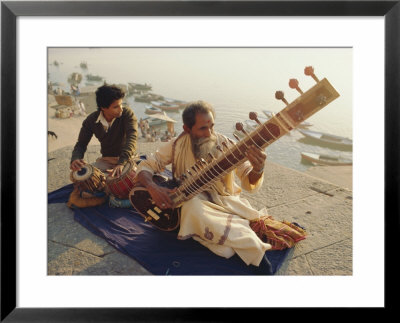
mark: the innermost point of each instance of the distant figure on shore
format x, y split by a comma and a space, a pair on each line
142, 129
218, 218
166, 136
146, 127
50, 87
82, 108
114, 126
75, 90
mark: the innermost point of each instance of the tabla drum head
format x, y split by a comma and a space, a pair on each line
125, 171
126, 168
83, 174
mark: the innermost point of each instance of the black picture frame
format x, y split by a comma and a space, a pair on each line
10, 10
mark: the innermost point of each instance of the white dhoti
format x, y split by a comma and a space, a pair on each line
223, 228
218, 219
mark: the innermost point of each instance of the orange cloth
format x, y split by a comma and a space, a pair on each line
279, 234
75, 200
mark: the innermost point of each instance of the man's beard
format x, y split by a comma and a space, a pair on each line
203, 146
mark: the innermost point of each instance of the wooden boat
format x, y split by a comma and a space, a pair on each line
147, 97
321, 159
159, 119
165, 106
139, 87
152, 110
325, 138
175, 102
303, 125
91, 77
66, 100
268, 114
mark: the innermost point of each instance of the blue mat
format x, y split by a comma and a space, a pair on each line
161, 253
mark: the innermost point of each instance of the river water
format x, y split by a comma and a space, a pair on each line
235, 81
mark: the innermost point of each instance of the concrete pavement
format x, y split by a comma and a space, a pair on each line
322, 207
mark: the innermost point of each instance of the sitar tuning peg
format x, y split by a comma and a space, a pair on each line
203, 161
239, 127
279, 95
294, 84
236, 137
309, 71
225, 145
211, 156
200, 163
254, 116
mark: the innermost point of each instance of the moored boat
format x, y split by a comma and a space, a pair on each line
304, 125
140, 87
175, 102
91, 77
147, 97
326, 138
151, 110
268, 114
323, 159
165, 106
159, 119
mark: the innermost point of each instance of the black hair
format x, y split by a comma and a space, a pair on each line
107, 94
194, 108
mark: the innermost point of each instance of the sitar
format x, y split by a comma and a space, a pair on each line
206, 173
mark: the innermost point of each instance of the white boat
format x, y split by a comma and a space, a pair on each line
152, 110
159, 119
326, 138
165, 106
175, 102
138, 86
268, 114
322, 159
304, 125
155, 122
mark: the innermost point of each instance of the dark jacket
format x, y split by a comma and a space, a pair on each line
119, 141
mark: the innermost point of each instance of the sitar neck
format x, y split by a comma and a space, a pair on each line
205, 174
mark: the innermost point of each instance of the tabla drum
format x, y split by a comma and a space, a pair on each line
88, 178
121, 186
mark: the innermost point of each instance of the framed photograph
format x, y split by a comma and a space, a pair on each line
33, 36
